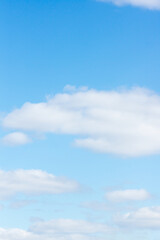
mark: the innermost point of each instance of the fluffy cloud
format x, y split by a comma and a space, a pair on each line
150, 4
16, 138
143, 218
33, 182
61, 229
128, 195
119, 122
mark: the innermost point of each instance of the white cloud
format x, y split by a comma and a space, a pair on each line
16, 138
16, 234
128, 195
119, 122
60, 229
150, 4
143, 218
71, 88
33, 182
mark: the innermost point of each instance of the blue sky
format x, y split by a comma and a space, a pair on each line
79, 110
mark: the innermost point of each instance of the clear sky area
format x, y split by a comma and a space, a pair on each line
80, 120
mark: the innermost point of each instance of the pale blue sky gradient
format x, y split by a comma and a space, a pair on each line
47, 44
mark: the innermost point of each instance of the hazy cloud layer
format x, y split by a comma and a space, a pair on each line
118, 122
33, 182
128, 195
150, 4
68, 226
143, 218
61, 229
69, 229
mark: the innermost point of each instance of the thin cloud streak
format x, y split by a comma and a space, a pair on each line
149, 4
128, 195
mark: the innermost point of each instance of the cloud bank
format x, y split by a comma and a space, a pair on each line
117, 122
33, 182
60, 229
69, 229
150, 4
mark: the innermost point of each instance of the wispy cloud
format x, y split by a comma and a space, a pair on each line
34, 182
128, 195
119, 122
150, 4
95, 205
20, 203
